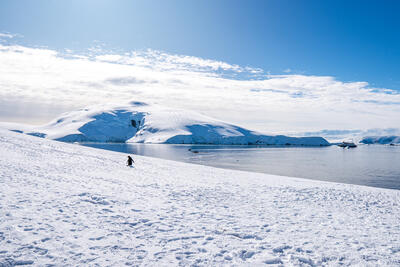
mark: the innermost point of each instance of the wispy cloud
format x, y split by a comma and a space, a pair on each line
169, 62
288, 70
122, 81
7, 35
242, 95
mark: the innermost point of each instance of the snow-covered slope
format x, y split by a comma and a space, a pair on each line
66, 205
143, 123
383, 140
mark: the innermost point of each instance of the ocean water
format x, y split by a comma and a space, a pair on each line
371, 165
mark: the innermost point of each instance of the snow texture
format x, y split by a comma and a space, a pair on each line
66, 205
383, 140
143, 123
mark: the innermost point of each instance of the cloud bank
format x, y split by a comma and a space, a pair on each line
37, 84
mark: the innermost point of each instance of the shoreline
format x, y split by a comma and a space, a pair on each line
177, 153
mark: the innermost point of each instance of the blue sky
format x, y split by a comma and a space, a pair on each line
293, 67
349, 40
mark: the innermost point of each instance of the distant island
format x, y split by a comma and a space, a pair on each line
383, 140
139, 122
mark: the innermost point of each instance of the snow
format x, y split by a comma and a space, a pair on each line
143, 123
64, 204
384, 140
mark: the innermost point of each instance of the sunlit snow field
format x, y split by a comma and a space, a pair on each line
372, 165
68, 205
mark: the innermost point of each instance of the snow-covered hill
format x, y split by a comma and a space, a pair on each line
66, 205
383, 140
143, 123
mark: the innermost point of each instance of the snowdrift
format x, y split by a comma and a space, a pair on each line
142, 123
383, 140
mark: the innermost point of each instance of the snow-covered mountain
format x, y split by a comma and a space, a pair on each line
383, 140
143, 123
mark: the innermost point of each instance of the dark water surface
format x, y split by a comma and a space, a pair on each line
372, 165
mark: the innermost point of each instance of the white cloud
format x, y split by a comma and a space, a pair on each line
288, 70
162, 61
7, 35
277, 103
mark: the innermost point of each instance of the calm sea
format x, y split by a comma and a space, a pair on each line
372, 165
